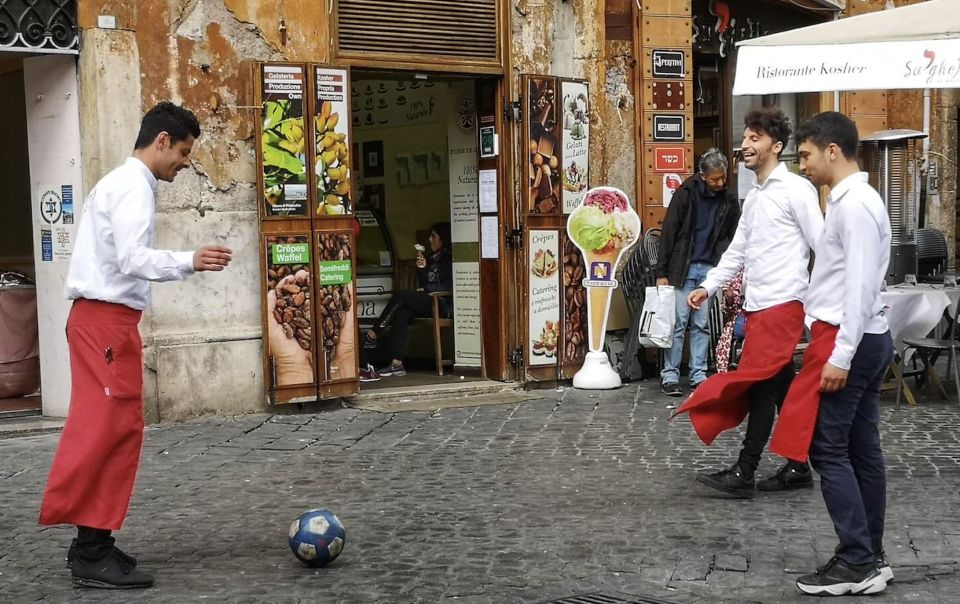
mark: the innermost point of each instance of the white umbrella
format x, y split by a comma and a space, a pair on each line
916, 46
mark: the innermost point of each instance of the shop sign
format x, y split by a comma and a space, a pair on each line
335, 272
283, 142
671, 182
668, 64
575, 135
669, 128
669, 159
290, 253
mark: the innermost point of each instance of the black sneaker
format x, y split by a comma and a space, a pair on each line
393, 369
110, 572
885, 571
732, 481
72, 554
671, 389
369, 343
839, 578
791, 475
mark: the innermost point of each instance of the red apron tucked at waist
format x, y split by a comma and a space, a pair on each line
720, 403
96, 463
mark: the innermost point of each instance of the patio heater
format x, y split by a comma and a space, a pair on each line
892, 159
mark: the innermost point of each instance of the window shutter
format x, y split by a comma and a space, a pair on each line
422, 30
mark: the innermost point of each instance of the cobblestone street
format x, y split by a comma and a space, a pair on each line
570, 492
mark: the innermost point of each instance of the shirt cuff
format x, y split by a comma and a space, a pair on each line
710, 287
184, 262
840, 359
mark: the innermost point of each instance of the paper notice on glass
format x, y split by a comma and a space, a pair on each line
488, 191
489, 237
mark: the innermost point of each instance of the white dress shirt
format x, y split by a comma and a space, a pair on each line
112, 258
852, 258
779, 225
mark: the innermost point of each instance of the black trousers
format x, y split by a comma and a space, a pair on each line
766, 399
403, 308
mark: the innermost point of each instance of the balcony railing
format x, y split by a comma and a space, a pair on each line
41, 26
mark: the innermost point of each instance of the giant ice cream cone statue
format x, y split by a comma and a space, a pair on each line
603, 227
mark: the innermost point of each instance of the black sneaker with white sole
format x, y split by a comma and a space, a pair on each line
393, 369
671, 389
839, 578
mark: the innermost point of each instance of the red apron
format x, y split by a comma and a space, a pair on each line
720, 403
803, 399
98, 456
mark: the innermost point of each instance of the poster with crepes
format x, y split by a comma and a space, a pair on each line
289, 336
544, 297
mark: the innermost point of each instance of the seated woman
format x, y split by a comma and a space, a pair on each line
435, 274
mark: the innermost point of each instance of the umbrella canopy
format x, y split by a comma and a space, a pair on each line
916, 46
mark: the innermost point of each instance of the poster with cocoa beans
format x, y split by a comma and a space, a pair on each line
331, 128
289, 334
543, 167
574, 305
336, 305
283, 170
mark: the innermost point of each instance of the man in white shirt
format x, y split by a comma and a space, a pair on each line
844, 365
779, 225
113, 263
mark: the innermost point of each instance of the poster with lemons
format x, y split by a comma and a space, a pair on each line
283, 142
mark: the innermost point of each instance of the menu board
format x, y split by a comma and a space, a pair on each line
331, 128
289, 333
544, 297
337, 310
575, 137
543, 169
283, 142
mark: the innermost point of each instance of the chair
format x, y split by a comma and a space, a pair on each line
636, 276
439, 321
931, 254
928, 349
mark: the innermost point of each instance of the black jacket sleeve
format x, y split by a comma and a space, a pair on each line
671, 227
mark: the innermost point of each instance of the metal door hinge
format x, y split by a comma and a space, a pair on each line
514, 238
516, 356
512, 111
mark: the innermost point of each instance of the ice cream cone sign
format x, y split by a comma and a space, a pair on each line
604, 226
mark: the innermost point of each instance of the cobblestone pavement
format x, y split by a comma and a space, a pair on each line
568, 493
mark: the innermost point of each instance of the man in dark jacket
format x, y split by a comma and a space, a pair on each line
699, 226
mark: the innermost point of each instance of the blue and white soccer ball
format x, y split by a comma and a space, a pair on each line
317, 537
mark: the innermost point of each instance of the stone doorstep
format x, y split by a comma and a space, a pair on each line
13, 427
415, 394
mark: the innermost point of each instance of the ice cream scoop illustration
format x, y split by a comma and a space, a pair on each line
602, 227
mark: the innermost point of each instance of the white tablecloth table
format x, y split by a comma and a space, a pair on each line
915, 310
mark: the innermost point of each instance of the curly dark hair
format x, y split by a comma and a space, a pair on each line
770, 121
168, 117
443, 230
830, 127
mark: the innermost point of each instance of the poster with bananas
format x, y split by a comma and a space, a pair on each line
283, 142
331, 127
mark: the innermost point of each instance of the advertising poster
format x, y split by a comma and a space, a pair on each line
574, 305
337, 312
283, 142
289, 337
543, 169
576, 143
56, 210
544, 297
331, 125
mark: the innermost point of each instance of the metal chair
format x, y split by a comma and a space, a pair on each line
931, 254
928, 349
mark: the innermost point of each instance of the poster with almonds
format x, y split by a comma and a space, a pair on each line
543, 167
289, 334
283, 142
331, 128
336, 305
543, 278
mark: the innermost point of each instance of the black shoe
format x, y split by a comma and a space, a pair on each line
791, 475
110, 572
732, 481
839, 578
72, 555
671, 389
885, 571
369, 343
393, 369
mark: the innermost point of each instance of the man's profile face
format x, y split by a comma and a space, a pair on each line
758, 149
173, 157
815, 163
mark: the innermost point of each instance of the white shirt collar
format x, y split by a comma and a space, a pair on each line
775, 174
845, 185
133, 161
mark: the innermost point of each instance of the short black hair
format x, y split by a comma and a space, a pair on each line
830, 127
443, 230
771, 121
168, 117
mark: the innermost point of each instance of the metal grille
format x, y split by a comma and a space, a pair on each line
41, 26
424, 29
602, 598
894, 167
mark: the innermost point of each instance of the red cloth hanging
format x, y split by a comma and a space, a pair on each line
720, 403
96, 463
802, 404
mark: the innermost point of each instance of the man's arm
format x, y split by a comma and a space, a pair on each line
130, 219
668, 232
805, 205
732, 260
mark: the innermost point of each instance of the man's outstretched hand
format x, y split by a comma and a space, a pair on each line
696, 298
212, 258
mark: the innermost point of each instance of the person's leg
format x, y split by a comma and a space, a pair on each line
765, 399
412, 305
699, 329
672, 358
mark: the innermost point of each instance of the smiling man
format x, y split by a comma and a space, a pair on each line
779, 225
113, 263
845, 363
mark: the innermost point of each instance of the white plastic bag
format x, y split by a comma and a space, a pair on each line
659, 313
